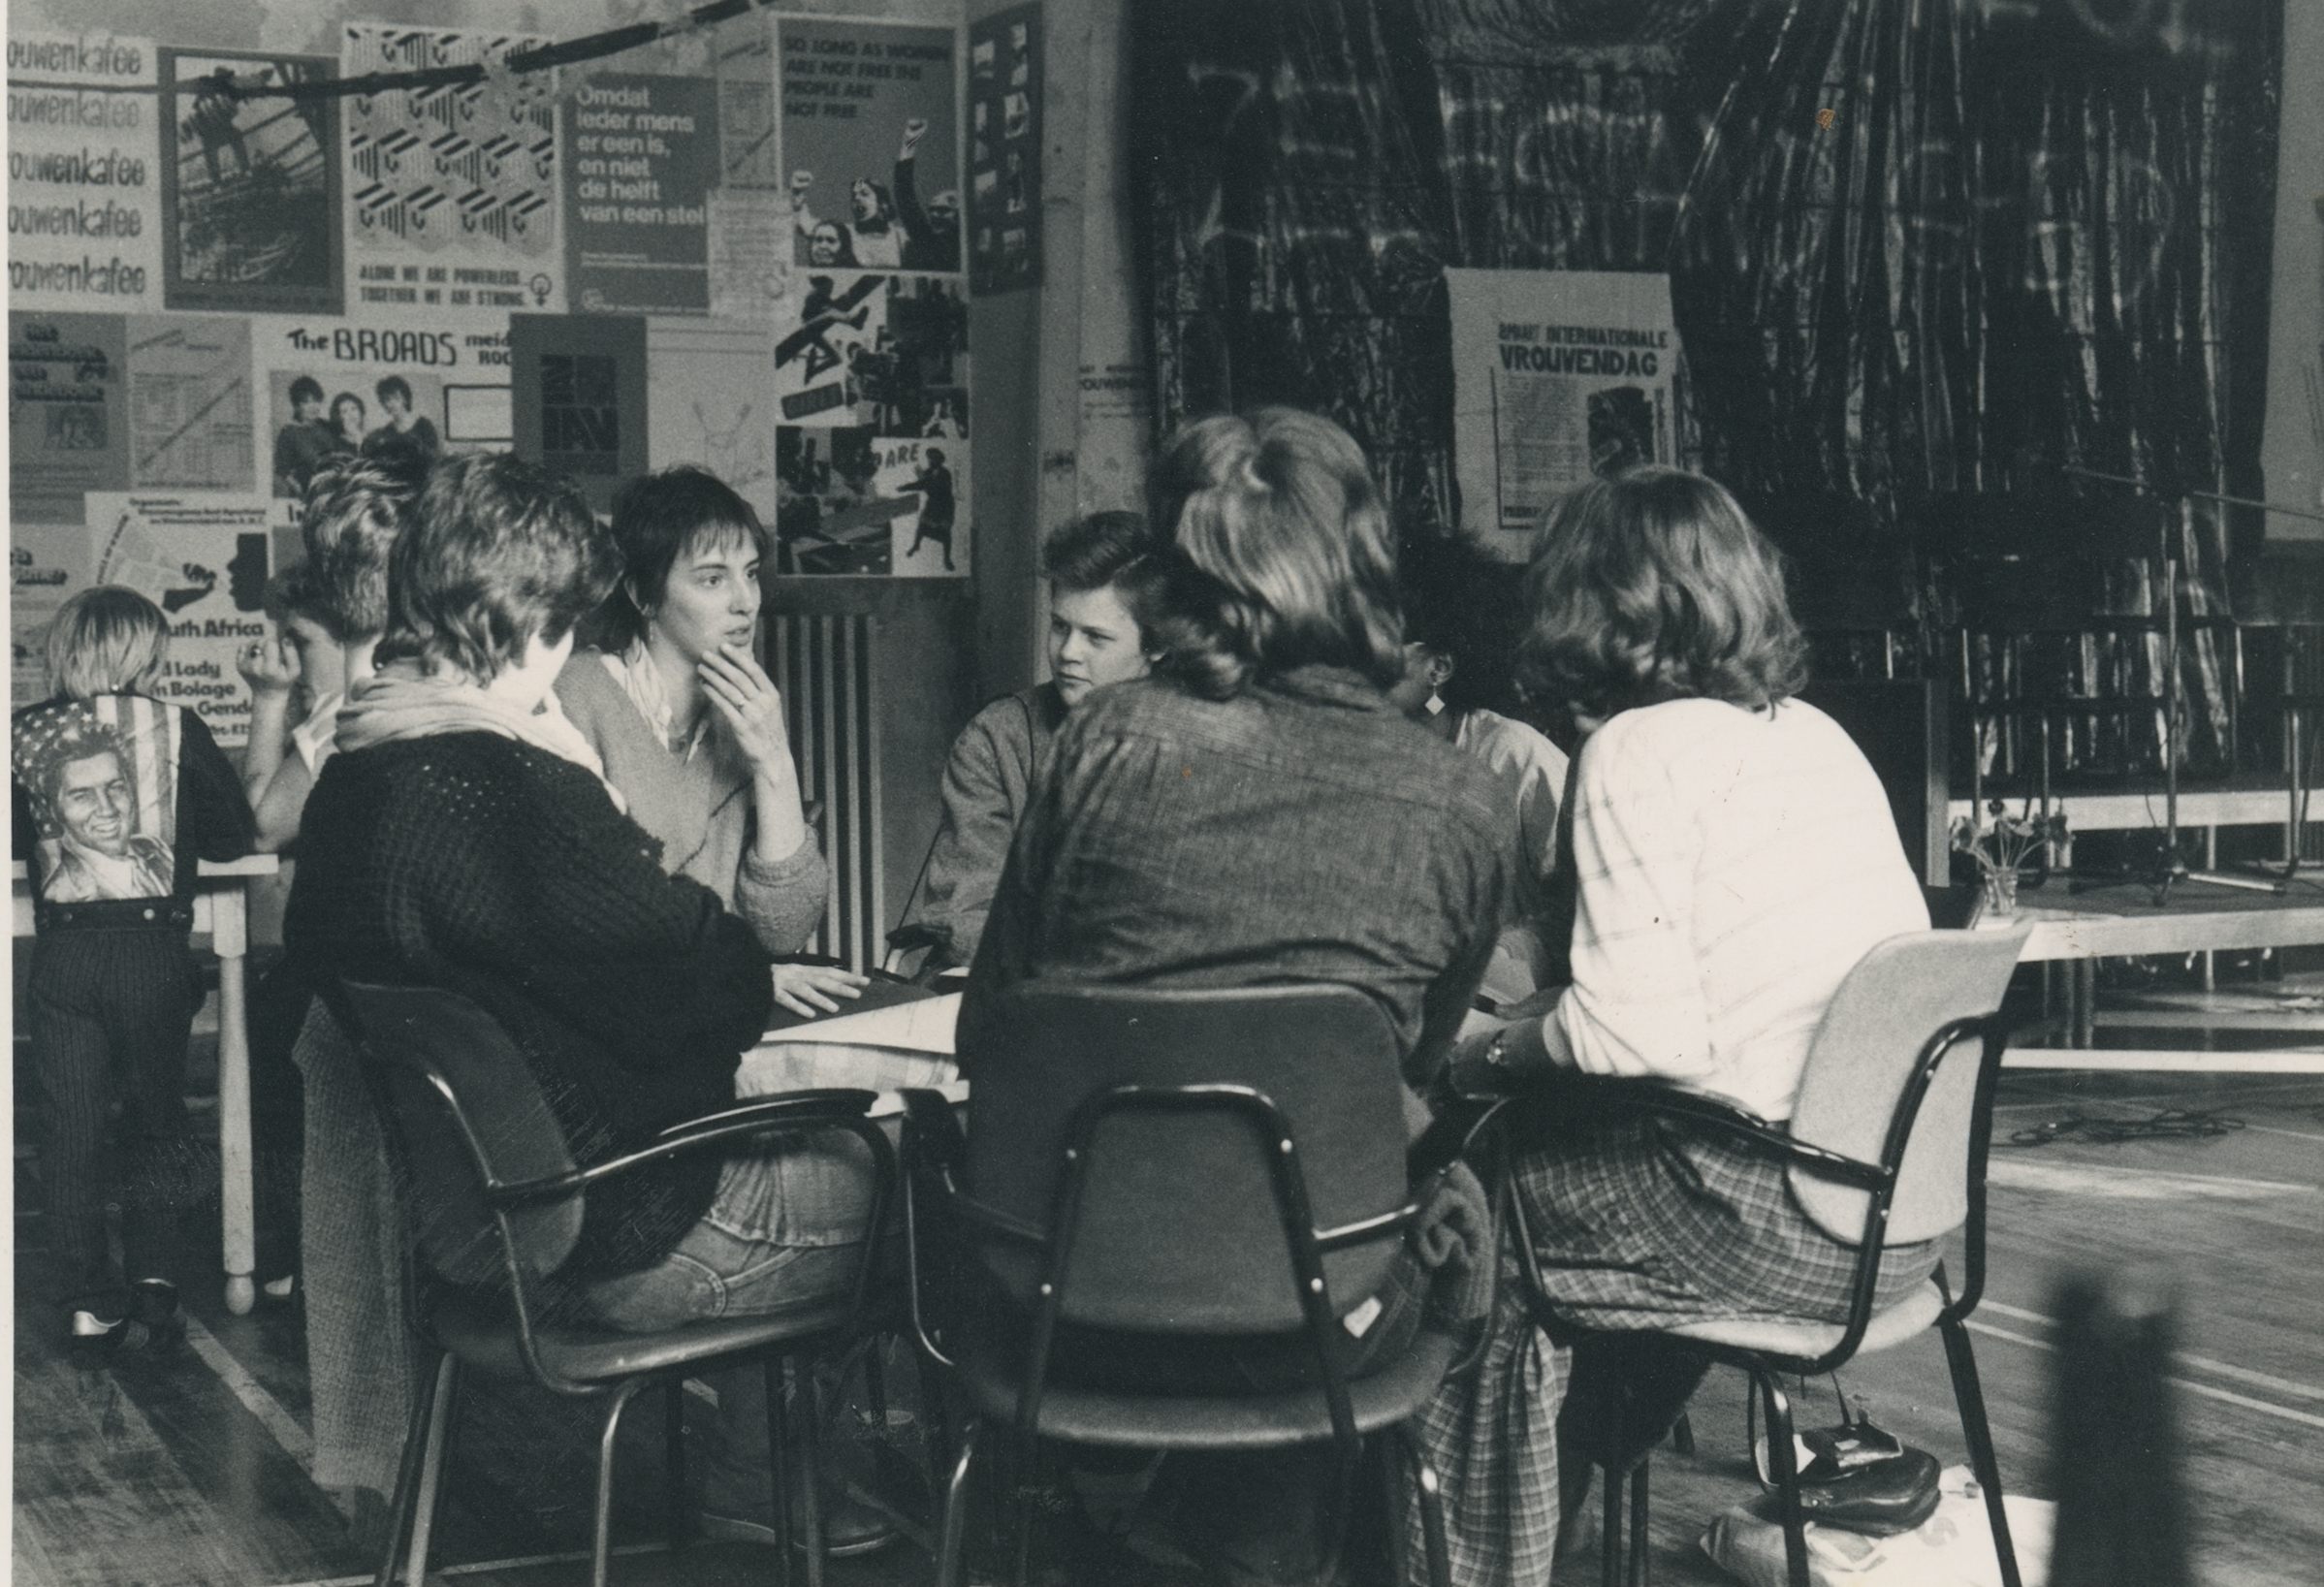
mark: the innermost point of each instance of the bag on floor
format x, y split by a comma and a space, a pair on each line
1953, 1548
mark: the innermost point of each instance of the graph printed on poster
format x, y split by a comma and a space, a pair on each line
189, 403
871, 140
453, 192
251, 185
1559, 378
83, 173
872, 387
204, 558
377, 386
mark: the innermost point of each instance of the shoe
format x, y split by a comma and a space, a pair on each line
91, 1341
155, 1325
849, 1526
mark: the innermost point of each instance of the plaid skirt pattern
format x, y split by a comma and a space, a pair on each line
1645, 1223
1639, 1224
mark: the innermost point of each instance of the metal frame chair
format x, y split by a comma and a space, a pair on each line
1134, 1158
498, 1201
1887, 1142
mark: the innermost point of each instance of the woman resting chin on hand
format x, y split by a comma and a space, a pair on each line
691, 729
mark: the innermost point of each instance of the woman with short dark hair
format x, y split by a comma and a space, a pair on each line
1734, 857
672, 697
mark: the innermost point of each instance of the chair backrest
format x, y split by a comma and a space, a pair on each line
468, 1115
1179, 1229
1896, 998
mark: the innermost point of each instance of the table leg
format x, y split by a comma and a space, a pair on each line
230, 937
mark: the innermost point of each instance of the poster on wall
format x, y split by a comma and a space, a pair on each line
373, 385
84, 221
189, 403
1004, 149
203, 558
641, 157
578, 395
68, 414
251, 185
708, 403
871, 391
1559, 378
871, 120
452, 190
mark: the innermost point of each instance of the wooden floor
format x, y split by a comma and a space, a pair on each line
192, 1471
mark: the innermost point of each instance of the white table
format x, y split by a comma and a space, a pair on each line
220, 909
2118, 922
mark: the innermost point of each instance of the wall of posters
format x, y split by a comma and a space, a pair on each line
871, 118
1559, 376
1004, 149
250, 187
641, 155
83, 173
452, 190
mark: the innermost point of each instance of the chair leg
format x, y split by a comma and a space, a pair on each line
1786, 1467
1610, 1543
677, 1520
811, 1477
779, 1465
1639, 1553
935, 1428
1432, 1512
601, 1546
1023, 1461
953, 1539
1968, 1398
408, 1476
432, 1468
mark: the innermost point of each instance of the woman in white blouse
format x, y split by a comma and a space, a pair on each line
1733, 857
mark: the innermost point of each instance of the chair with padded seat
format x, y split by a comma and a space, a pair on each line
1885, 1145
1216, 1163
497, 1203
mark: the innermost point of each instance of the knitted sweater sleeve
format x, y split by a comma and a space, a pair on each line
783, 901
496, 869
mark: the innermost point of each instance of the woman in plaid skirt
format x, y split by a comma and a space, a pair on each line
1732, 856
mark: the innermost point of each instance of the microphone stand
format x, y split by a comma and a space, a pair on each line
2171, 867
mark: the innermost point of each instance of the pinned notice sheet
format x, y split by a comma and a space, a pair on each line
905, 1046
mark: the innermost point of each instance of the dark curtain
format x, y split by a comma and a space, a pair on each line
1295, 198
2027, 238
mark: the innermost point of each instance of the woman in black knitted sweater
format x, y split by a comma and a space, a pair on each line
465, 836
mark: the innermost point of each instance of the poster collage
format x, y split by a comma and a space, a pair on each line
757, 269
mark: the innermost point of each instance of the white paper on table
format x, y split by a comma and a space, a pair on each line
902, 1047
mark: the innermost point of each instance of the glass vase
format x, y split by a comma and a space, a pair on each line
1998, 897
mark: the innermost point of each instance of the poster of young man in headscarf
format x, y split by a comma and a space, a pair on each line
871, 136
251, 185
